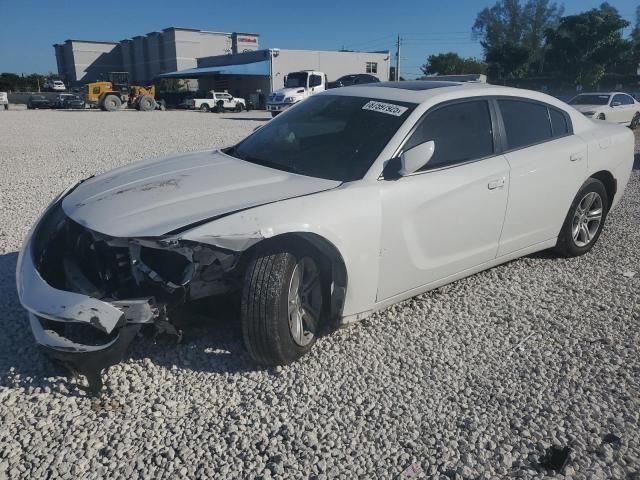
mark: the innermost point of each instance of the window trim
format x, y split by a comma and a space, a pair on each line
503, 131
497, 145
371, 67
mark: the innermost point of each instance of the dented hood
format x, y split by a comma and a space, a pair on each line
156, 197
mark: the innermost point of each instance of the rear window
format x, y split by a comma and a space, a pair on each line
558, 123
526, 123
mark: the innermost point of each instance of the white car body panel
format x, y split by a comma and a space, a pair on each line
541, 178
153, 198
438, 223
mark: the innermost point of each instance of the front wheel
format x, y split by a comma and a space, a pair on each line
584, 222
602, 116
635, 121
282, 306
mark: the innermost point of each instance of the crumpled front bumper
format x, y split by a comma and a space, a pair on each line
52, 310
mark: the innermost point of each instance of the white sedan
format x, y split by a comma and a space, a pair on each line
616, 107
351, 201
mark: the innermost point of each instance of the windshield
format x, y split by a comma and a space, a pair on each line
326, 136
296, 79
590, 100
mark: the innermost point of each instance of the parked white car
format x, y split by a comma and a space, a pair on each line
4, 100
54, 86
217, 102
353, 200
616, 107
297, 87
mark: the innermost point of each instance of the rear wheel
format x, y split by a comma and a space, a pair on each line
147, 103
111, 103
282, 305
239, 107
204, 107
585, 220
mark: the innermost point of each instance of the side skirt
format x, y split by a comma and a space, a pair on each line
350, 319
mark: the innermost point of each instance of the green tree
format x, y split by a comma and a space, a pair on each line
452, 64
586, 46
512, 35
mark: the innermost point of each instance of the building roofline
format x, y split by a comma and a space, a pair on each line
69, 40
246, 33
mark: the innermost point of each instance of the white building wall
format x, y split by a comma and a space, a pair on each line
333, 64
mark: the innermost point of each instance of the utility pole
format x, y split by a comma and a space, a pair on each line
398, 59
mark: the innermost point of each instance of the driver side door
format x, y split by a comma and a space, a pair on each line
447, 217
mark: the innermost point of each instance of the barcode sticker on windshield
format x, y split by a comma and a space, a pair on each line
388, 108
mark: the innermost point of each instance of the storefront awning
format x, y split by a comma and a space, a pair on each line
255, 68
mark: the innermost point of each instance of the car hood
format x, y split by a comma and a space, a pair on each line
588, 108
156, 197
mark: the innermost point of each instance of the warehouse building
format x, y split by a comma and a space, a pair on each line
255, 74
146, 57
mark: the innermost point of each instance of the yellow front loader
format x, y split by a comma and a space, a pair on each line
112, 95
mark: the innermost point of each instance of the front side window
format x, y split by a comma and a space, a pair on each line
372, 67
461, 132
526, 123
296, 80
315, 81
327, 136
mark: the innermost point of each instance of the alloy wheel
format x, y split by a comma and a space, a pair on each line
304, 301
587, 219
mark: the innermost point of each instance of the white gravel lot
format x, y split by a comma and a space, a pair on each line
473, 381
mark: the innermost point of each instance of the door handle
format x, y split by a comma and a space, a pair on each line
575, 157
498, 183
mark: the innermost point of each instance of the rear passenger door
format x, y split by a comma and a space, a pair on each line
548, 166
447, 217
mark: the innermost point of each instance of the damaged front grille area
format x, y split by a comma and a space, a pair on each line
74, 258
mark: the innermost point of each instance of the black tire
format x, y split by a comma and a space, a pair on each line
204, 107
274, 114
602, 116
147, 103
264, 309
111, 103
635, 121
567, 245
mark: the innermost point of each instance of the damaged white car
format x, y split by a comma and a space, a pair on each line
353, 200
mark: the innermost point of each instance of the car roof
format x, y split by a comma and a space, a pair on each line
433, 91
603, 93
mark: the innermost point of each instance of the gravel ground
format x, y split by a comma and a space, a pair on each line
475, 380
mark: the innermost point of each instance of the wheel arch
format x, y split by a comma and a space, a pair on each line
610, 184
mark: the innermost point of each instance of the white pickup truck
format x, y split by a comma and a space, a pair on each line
297, 87
217, 101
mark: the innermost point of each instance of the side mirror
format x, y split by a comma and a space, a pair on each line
415, 158
616, 104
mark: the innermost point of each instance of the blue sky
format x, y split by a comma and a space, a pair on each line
30, 27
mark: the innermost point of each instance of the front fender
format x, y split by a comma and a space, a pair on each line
347, 217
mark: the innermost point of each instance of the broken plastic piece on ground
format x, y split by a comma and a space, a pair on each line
555, 458
613, 440
412, 471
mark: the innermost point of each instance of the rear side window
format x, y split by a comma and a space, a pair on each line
526, 123
558, 123
461, 132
